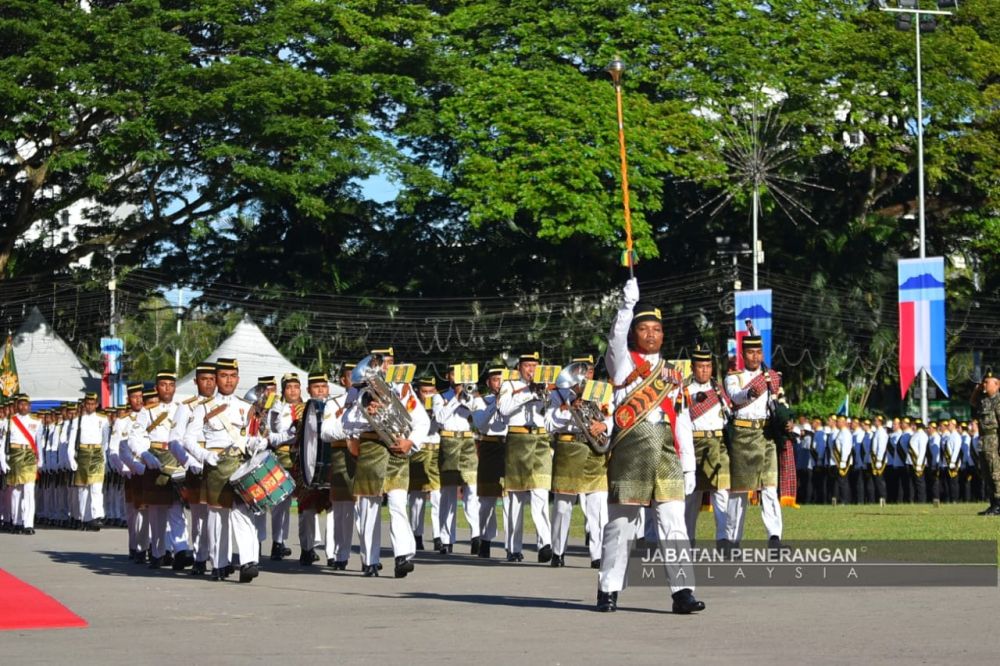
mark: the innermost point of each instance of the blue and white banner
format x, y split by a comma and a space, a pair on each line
755, 306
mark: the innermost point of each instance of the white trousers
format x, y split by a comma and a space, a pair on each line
138, 527
90, 502
23, 504
200, 534
620, 529
370, 534
308, 526
488, 518
226, 526
281, 516
418, 502
167, 526
449, 506
339, 531
770, 511
595, 515
260, 525
720, 504
539, 513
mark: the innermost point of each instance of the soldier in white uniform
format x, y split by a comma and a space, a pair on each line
221, 422
194, 480
491, 434
89, 434
340, 515
753, 461
457, 461
951, 463
21, 462
709, 410
528, 458
150, 441
879, 455
382, 467
577, 471
843, 459
285, 419
425, 475
136, 516
935, 434
652, 459
917, 462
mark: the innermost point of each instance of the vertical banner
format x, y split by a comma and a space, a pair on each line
755, 306
921, 322
112, 386
10, 383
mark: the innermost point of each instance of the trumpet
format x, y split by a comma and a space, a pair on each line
391, 420
468, 394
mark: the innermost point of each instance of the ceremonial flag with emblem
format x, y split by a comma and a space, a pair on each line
10, 384
921, 322
755, 306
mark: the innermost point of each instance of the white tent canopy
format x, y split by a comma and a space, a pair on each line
256, 355
46, 366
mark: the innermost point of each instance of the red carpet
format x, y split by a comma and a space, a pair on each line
25, 607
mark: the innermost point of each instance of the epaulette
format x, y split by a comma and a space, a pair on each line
205, 401
190, 400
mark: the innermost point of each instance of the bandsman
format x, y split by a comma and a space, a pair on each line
194, 480
285, 421
340, 517
491, 433
425, 475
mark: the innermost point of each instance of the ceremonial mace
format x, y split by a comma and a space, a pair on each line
616, 69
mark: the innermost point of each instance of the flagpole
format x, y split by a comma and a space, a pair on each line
616, 69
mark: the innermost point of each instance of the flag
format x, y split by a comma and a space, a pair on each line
755, 306
845, 407
10, 384
921, 322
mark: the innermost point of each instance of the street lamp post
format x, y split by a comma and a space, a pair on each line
909, 8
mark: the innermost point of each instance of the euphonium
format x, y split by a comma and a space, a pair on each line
391, 421
572, 377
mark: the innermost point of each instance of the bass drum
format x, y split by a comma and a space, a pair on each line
314, 455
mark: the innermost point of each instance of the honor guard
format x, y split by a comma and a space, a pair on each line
87, 441
652, 460
457, 460
150, 439
843, 458
222, 422
285, 422
986, 409
710, 410
195, 491
136, 516
578, 470
425, 475
753, 461
340, 516
21, 463
491, 433
879, 456
527, 458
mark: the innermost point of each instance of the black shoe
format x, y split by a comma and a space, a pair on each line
198, 569
994, 510
724, 548
685, 603
340, 566
314, 556
515, 557
140, 556
96, 525
183, 560
475, 545
168, 559
155, 562
484, 550
28, 530
545, 554
437, 543
219, 574
774, 544
248, 572
18, 529
308, 557
420, 541
285, 550
986, 511
230, 569
557, 561
607, 602
443, 548
595, 564
131, 554
370, 571
403, 567
277, 551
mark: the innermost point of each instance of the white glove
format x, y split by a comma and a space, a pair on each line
211, 458
689, 483
631, 292
3, 465
150, 460
256, 445
72, 464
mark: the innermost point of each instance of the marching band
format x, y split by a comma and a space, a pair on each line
192, 480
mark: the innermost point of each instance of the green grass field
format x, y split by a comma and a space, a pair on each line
843, 523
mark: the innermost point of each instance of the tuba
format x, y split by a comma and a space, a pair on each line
392, 420
575, 375
260, 401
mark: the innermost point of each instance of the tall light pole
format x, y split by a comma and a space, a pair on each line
616, 69
911, 10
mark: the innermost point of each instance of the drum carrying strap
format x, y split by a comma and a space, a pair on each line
220, 413
652, 392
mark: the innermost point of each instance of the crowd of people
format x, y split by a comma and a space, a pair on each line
640, 451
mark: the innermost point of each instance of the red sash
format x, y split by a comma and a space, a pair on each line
27, 435
642, 369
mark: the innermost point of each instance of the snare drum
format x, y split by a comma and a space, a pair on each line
262, 482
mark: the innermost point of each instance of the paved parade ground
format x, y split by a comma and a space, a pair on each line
460, 609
